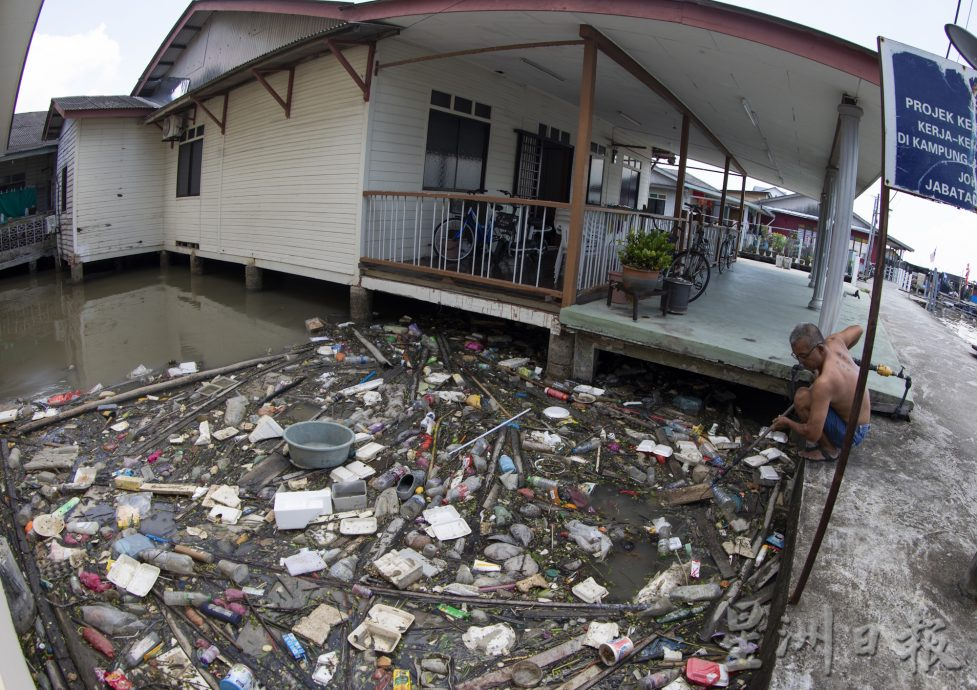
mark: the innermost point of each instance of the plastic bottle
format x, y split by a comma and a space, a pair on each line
167, 560
141, 648
725, 501
83, 527
542, 483
506, 464
208, 655
171, 598
412, 508
389, 478
464, 490
427, 424
236, 572
587, 446
743, 665
220, 613
111, 620
362, 591
480, 447
653, 681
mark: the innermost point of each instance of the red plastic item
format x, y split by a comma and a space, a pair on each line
154, 457
99, 642
94, 582
558, 394
63, 398
707, 673
233, 595
117, 681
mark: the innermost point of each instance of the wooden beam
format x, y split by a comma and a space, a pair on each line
370, 70
285, 103
743, 206
581, 158
633, 67
223, 118
683, 159
477, 51
338, 53
722, 205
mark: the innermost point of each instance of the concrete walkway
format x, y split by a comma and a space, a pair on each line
902, 533
736, 331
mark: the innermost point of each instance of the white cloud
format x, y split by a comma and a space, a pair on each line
85, 64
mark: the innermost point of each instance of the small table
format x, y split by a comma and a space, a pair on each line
634, 296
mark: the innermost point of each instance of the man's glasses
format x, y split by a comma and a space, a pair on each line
805, 355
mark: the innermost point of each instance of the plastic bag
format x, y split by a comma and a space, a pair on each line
590, 539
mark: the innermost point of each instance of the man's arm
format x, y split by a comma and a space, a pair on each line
850, 335
813, 428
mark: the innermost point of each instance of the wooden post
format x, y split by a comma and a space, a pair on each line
680, 177
722, 210
581, 158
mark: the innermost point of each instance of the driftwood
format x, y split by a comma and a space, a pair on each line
139, 392
687, 494
372, 348
589, 679
184, 642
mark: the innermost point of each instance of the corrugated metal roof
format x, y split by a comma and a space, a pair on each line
78, 103
26, 130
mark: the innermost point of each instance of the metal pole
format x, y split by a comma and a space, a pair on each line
863, 369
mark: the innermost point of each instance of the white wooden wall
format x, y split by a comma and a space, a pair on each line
66, 158
284, 193
399, 114
118, 200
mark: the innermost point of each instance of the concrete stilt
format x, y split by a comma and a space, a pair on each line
77, 272
968, 585
252, 277
196, 265
360, 303
584, 359
164, 259
32, 266
559, 357
119, 264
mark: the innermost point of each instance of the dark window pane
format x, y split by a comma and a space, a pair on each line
441, 99
455, 153
629, 188
482, 110
543, 130
596, 182
196, 163
183, 171
463, 105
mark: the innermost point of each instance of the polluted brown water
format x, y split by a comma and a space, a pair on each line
57, 336
474, 526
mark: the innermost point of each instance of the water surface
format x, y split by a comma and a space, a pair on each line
55, 336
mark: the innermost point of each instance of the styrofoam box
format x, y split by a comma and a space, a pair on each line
295, 509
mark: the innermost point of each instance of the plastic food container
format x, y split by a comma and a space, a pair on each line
318, 445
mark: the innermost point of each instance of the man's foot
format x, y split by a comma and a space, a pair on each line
819, 455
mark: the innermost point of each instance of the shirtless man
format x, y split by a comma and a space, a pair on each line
825, 406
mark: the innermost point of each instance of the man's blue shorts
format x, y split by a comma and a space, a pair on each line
835, 427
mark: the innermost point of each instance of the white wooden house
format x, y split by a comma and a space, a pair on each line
334, 140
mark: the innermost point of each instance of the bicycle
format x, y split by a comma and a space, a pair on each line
727, 251
457, 238
692, 264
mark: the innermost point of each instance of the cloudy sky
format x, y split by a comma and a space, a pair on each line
92, 47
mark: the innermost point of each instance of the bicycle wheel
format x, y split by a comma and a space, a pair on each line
724, 257
453, 242
693, 267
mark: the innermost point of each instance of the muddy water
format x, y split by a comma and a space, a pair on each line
55, 336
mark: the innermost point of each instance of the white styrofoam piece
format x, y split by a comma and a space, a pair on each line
359, 470
688, 452
225, 433
756, 460
295, 509
226, 495
341, 474
132, 576
427, 567
399, 571
589, 591
203, 436
8, 415
769, 474
265, 429
357, 526
446, 523
304, 562
599, 633
224, 515
367, 452
662, 450
361, 436
646, 446
773, 453
121, 426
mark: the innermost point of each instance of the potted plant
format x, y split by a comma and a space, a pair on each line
644, 255
778, 244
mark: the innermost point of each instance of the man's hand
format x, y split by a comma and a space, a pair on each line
780, 422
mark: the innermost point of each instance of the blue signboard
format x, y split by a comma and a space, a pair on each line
930, 131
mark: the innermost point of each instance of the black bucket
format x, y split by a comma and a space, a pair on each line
676, 297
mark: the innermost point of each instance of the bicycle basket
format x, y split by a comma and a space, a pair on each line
506, 221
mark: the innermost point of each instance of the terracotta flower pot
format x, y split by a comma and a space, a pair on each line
639, 281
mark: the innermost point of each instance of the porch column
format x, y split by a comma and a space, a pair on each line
823, 239
744, 216
834, 280
644, 183
578, 190
722, 199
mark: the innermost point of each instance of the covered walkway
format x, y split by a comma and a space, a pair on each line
737, 330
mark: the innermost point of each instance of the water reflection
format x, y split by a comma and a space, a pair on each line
56, 336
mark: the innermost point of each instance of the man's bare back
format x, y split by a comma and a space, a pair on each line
824, 408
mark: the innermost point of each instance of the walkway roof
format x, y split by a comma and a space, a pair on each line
766, 89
